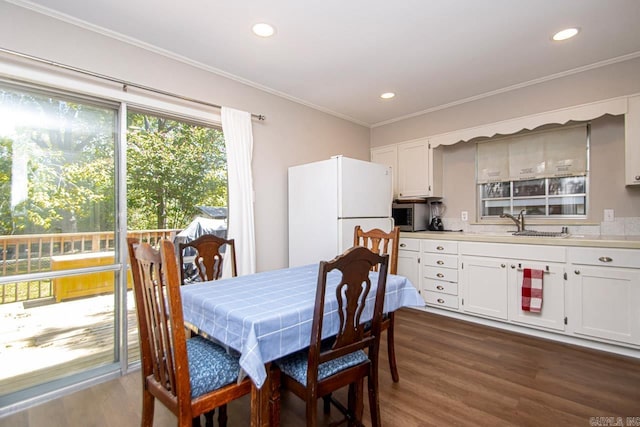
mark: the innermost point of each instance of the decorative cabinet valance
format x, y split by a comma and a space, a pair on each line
583, 112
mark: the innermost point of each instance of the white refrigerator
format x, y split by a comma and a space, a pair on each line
327, 199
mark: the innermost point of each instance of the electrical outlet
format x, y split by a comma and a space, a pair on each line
464, 216
608, 215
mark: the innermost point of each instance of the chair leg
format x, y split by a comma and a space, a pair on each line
391, 349
222, 417
374, 400
148, 402
326, 403
312, 411
355, 403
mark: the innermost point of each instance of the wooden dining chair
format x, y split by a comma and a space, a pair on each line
331, 364
208, 259
384, 243
189, 376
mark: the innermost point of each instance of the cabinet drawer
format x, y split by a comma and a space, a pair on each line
605, 257
440, 246
440, 300
440, 273
440, 286
438, 260
409, 245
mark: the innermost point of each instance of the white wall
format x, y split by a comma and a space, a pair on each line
607, 189
292, 133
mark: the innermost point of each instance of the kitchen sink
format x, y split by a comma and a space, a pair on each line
534, 233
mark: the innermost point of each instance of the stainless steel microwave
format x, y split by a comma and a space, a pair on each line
410, 216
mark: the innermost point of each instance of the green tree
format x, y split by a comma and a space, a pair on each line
6, 148
172, 167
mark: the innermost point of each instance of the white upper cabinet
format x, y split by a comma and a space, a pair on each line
413, 169
417, 168
388, 156
632, 141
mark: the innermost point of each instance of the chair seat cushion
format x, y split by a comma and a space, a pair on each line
295, 365
210, 366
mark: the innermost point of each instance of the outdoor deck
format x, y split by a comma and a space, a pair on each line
46, 342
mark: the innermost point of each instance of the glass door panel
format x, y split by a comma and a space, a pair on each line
57, 236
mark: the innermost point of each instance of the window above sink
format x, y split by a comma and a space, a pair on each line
542, 172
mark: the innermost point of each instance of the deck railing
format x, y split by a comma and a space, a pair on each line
32, 253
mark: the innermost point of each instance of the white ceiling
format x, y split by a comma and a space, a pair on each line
340, 55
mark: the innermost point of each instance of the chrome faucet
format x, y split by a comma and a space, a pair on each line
518, 221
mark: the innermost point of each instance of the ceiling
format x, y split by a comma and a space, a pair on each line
339, 55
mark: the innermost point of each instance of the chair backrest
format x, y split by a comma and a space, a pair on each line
351, 294
380, 242
209, 257
161, 330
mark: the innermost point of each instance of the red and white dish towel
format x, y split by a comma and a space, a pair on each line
532, 290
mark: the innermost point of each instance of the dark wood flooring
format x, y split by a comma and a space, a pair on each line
452, 373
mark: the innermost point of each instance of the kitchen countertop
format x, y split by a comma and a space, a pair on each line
624, 242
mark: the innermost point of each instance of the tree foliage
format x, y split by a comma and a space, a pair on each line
172, 167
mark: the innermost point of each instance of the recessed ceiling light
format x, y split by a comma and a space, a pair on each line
565, 34
387, 95
263, 30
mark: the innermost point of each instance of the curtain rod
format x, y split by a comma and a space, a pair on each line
125, 84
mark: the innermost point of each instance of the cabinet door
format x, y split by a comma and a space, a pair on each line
632, 141
484, 286
413, 169
553, 287
388, 156
605, 303
409, 266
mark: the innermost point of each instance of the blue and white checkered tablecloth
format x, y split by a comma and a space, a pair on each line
267, 315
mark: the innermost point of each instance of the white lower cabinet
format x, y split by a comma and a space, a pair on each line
491, 281
409, 260
552, 315
605, 294
439, 286
588, 293
484, 284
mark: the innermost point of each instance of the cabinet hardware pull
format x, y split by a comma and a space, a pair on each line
439, 248
402, 245
440, 300
605, 259
440, 275
513, 266
637, 177
440, 287
439, 262
577, 271
503, 265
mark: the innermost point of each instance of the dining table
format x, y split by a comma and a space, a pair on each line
267, 315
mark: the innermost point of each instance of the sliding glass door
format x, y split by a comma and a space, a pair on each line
66, 179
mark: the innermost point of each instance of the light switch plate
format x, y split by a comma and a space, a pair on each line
608, 215
464, 216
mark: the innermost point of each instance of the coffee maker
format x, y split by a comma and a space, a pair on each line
437, 210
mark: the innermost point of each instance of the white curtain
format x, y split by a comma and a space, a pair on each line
236, 126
